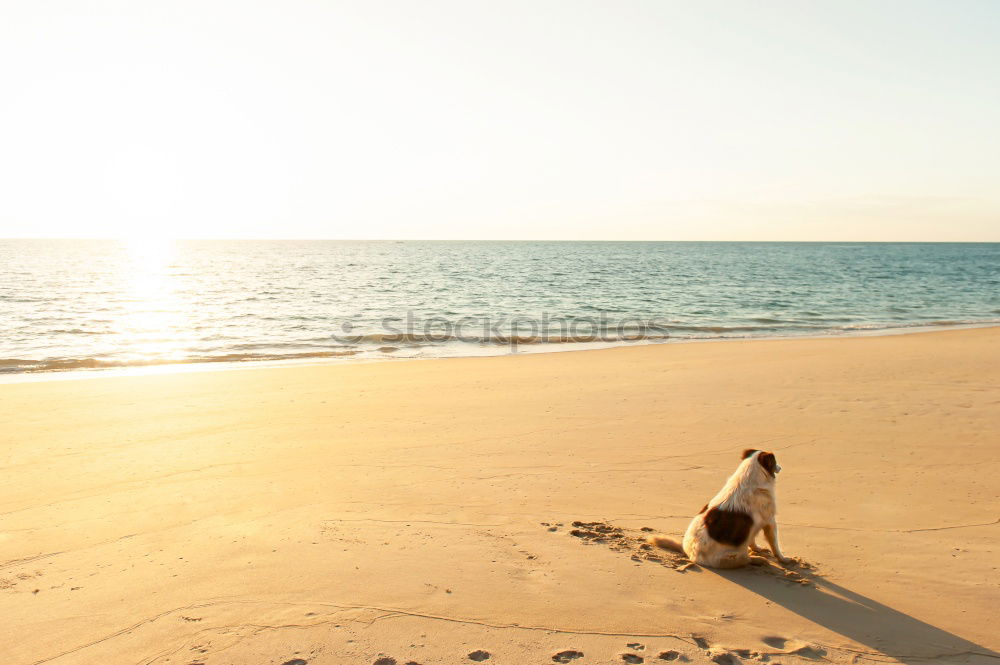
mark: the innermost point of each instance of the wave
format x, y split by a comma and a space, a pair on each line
946, 323
385, 344
721, 329
500, 338
80, 331
15, 365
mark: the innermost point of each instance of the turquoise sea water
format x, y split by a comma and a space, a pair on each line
70, 304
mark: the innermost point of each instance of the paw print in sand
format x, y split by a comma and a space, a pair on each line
566, 656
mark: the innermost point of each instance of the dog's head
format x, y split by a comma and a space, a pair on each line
765, 459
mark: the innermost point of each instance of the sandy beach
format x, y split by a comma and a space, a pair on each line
422, 511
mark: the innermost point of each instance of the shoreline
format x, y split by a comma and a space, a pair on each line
182, 367
347, 513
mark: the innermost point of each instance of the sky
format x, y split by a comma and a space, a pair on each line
540, 119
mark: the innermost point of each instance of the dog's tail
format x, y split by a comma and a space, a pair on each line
666, 543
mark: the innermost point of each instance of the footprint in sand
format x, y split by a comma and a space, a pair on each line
566, 656
725, 659
632, 658
701, 642
670, 655
479, 655
385, 661
774, 641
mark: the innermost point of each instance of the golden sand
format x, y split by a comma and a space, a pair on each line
422, 511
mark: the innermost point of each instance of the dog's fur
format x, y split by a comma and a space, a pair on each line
724, 533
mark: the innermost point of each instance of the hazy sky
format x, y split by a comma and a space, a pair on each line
802, 120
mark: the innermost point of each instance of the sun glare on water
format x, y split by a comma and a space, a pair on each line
153, 323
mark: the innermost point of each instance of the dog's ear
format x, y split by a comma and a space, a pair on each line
768, 461
748, 452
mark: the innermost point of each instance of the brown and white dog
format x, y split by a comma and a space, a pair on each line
724, 533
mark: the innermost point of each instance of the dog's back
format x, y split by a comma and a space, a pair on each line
719, 536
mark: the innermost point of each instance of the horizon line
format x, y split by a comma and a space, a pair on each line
525, 240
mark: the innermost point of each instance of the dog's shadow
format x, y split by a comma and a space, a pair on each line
862, 620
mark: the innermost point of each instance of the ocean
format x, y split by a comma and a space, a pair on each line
93, 304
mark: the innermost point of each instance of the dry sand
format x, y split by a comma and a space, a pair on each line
422, 511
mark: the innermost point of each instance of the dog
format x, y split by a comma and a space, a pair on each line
724, 532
